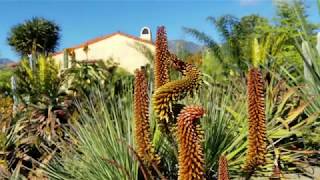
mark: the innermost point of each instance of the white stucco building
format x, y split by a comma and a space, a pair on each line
121, 47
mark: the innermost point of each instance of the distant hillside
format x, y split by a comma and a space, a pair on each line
4, 61
178, 45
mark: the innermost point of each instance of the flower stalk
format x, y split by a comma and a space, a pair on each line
190, 137
161, 72
145, 148
257, 147
223, 173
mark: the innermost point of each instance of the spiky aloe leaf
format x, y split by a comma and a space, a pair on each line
145, 148
161, 72
223, 173
318, 43
190, 136
308, 63
257, 121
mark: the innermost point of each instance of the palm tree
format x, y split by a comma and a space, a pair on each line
37, 35
235, 33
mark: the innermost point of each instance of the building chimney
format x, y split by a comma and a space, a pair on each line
145, 34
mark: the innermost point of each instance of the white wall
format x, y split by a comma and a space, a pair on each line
118, 47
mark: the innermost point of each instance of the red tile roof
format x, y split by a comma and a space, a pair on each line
12, 65
92, 41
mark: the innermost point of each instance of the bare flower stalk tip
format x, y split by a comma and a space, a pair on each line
145, 148
257, 121
276, 174
190, 137
223, 173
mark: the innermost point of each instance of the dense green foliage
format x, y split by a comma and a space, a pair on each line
5, 85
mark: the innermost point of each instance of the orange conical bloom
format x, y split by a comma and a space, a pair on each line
223, 168
190, 136
161, 72
257, 121
145, 148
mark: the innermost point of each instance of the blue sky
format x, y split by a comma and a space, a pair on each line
81, 20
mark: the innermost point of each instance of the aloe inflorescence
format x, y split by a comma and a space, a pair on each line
145, 148
185, 120
190, 137
173, 91
257, 121
161, 71
170, 92
223, 173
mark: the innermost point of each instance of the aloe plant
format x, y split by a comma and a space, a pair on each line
285, 129
112, 151
103, 140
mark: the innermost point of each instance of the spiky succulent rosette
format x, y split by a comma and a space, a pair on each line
190, 137
173, 91
257, 121
223, 173
145, 148
161, 72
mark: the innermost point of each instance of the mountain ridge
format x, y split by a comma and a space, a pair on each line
182, 45
4, 61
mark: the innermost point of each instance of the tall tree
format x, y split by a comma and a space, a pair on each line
292, 16
292, 19
36, 35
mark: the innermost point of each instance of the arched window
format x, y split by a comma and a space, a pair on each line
145, 31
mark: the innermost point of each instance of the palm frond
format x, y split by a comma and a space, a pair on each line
208, 41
